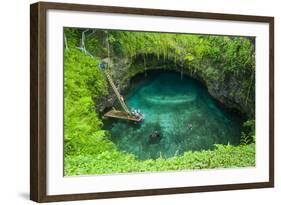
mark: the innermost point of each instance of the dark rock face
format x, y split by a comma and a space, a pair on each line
221, 92
226, 92
105, 102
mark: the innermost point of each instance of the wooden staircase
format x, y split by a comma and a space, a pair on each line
118, 95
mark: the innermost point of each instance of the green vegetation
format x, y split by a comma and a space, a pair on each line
83, 82
113, 161
217, 60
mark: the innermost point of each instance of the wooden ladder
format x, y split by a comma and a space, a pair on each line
124, 106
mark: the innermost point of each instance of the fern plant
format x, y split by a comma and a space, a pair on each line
245, 139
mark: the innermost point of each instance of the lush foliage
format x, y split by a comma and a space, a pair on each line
248, 133
217, 59
83, 82
113, 161
88, 149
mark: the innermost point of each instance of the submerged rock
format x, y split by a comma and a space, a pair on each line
154, 138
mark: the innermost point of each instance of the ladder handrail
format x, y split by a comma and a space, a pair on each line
124, 106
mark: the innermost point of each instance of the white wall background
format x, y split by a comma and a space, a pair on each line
14, 101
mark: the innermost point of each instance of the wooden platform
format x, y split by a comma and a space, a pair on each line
122, 115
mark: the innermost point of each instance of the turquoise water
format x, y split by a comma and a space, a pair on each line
180, 115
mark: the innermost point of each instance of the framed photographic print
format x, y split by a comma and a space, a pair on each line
134, 102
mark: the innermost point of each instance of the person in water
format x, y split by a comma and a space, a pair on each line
189, 126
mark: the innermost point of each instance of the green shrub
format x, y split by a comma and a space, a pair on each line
113, 161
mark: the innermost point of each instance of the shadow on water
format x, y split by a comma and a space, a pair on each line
180, 115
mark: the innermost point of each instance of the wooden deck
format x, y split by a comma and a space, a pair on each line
122, 115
